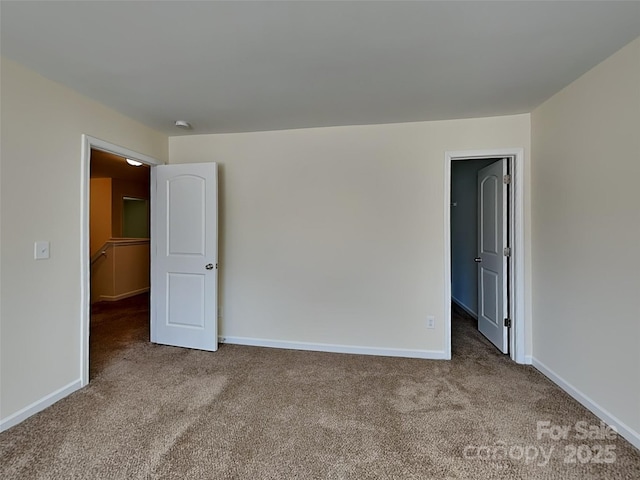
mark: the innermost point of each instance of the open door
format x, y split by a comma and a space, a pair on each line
184, 277
491, 259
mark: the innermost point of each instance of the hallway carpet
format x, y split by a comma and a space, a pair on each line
158, 412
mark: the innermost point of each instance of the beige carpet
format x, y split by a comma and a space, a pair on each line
154, 412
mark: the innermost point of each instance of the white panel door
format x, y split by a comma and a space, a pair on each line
184, 278
492, 263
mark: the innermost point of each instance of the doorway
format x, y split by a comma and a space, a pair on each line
119, 243
123, 290
459, 276
464, 233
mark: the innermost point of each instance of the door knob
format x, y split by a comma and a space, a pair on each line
209, 266
477, 259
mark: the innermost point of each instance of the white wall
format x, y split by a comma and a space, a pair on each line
335, 235
42, 123
100, 213
586, 236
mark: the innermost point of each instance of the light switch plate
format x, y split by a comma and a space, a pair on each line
41, 250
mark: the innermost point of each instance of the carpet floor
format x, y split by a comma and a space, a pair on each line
158, 412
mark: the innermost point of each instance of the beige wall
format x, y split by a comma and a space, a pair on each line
335, 235
121, 272
132, 269
125, 188
586, 235
41, 127
105, 213
99, 213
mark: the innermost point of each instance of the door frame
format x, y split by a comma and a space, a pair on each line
89, 143
515, 224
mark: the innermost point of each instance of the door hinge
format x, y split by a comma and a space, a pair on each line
507, 251
506, 179
507, 322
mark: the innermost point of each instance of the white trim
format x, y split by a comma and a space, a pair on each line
623, 429
331, 348
464, 307
88, 143
98, 144
122, 296
39, 405
528, 360
518, 337
152, 251
517, 213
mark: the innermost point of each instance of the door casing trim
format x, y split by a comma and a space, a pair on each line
88, 143
517, 335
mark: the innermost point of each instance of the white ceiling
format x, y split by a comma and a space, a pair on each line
247, 66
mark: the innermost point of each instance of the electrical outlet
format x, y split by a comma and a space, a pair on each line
431, 321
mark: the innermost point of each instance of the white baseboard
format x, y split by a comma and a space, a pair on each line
528, 360
326, 347
122, 296
464, 307
623, 429
39, 405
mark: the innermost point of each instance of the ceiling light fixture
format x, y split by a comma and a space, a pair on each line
133, 163
183, 124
